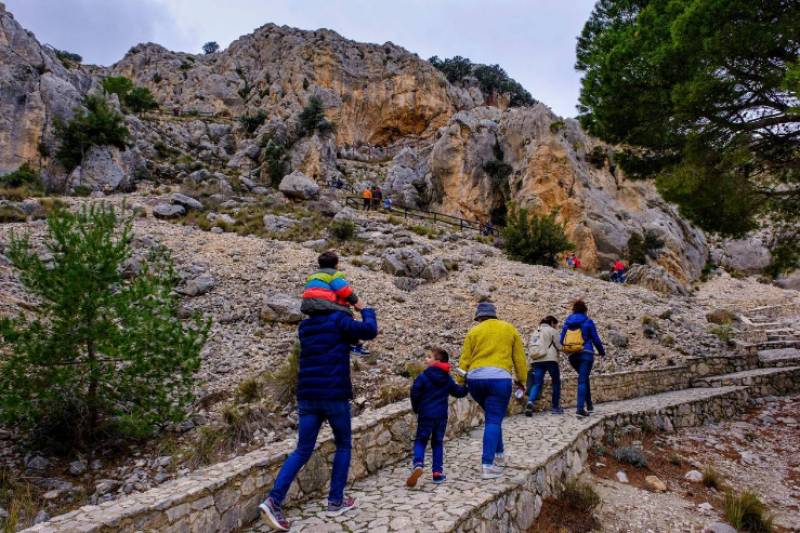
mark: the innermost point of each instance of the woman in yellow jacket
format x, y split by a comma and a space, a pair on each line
492, 350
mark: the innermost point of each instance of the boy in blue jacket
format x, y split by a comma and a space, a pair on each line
429, 395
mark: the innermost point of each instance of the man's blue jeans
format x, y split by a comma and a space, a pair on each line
536, 380
582, 363
312, 414
493, 396
433, 429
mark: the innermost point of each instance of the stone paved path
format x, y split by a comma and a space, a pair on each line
386, 505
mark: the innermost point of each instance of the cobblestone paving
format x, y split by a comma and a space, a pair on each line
386, 505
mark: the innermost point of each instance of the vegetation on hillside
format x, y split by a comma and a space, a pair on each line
312, 118
210, 47
96, 124
706, 94
534, 239
99, 354
492, 79
133, 98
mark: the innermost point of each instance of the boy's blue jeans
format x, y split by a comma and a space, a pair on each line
312, 414
433, 429
493, 396
536, 380
582, 363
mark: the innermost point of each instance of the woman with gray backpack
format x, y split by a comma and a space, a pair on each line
542, 349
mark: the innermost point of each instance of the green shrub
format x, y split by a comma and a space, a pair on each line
557, 126
69, 59
11, 214
140, 99
249, 390
312, 118
81, 190
343, 230
493, 79
724, 333
414, 369
119, 85
97, 125
746, 512
24, 176
499, 171
580, 496
630, 455
284, 379
99, 352
597, 157
535, 239
712, 478
454, 69
252, 122
275, 159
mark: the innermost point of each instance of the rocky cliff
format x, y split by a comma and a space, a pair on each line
386, 103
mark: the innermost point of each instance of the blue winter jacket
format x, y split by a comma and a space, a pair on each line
430, 391
591, 339
325, 341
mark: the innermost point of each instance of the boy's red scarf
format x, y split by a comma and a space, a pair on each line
442, 366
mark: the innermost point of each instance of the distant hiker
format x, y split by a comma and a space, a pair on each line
618, 272
429, 395
579, 339
488, 229
324, 391
387, 204
377, 197
574, 262
491, 350
328, 290
542, 349
367, 196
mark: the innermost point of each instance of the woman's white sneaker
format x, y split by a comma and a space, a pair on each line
491, 471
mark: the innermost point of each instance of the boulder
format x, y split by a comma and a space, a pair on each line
166, 211
107, 169
404, 262
721, 316
345, 213
790, 281
278, 223
622, 477
298, 186
198, 286
719, 527
618, 339
406, 284
655, 484
281, 308
695, 476
186, 201
656, 279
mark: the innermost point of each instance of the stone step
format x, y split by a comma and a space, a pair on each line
543, 451
779, 357
772, 381
787, 343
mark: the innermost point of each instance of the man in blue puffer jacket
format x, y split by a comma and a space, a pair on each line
324, 391
429, 395
582, 361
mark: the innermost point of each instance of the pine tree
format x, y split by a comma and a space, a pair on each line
99, 354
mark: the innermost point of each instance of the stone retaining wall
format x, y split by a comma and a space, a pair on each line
516, 508
767, 382
224, 496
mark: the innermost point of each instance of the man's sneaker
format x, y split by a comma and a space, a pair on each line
335, 509
590, 409
582, 413
272, 515
529, 409
556, 411
415, 474
359, 349
438, 477
491, 471
500, 460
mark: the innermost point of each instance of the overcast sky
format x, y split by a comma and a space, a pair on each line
533, 40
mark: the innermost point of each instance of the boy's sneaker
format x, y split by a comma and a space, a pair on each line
414, 476
582, 413
335, 509
272, 515
500, 460
556, 411
590, 409
359, 349
529, 409
491, 471
438, 478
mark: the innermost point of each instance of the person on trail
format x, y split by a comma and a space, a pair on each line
387, 204
543, 347
377, 197
429, 395
574, 261
327, 289
492, 349
618, 272
488, 229
366, 194
324, 391
579, 339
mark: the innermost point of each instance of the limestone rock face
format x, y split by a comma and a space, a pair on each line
36, 87
106, 169
549, 171
656, 279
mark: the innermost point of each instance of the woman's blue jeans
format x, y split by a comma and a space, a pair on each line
312, 414
493, 395
582, 363
536, 380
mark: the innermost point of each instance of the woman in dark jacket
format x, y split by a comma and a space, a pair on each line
324, 391
583, 360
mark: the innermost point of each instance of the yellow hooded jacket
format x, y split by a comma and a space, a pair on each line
494, 343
